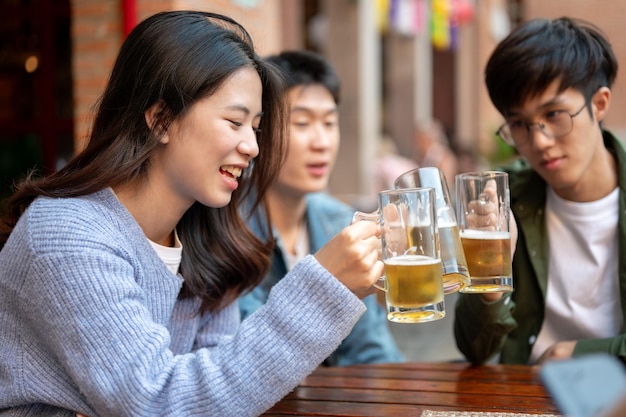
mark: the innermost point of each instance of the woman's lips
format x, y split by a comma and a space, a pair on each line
231, 170
230, 177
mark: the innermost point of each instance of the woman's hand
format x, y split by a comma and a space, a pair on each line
352, 256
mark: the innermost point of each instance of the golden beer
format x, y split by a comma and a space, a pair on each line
455, 272
488, 256
413, 281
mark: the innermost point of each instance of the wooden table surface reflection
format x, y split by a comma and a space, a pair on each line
407, 389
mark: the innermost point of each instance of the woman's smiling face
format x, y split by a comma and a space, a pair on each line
205, 151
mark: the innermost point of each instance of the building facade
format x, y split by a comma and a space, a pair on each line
394, 76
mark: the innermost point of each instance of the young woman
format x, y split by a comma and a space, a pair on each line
120, 272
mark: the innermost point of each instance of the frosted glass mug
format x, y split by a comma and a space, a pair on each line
483, 213
413, 278
455, 271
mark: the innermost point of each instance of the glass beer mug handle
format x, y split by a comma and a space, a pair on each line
381, 284
371, 217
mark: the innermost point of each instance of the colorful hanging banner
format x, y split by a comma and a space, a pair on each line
403, 16
440, 23
383, 13
441, 18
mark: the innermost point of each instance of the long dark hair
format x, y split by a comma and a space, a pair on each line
176, 58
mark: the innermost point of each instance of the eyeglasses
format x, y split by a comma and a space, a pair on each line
553, 124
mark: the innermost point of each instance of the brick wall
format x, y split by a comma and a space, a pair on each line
97, 36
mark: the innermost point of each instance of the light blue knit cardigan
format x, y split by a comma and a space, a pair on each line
90, 322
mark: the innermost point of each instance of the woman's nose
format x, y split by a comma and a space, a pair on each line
249, 145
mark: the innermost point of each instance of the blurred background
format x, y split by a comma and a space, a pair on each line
411, 71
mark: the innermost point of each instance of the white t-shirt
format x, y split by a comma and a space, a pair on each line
170, 256
582, 299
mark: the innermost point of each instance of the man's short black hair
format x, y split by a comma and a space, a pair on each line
540, 51
305, 67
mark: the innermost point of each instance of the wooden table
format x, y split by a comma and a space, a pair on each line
408, 389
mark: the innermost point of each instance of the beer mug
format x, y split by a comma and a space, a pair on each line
455, 272
483, 213
413, 279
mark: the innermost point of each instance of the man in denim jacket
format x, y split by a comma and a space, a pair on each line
551, 80
303, 217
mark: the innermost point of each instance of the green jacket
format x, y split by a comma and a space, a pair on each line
510, 325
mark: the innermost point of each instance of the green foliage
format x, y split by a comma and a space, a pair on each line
502, 154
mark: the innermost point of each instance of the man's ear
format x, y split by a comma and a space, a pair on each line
154, 118
600, 103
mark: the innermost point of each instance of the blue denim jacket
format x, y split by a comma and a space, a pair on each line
370, 340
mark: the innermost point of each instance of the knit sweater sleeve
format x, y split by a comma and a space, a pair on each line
93, 341
120, 361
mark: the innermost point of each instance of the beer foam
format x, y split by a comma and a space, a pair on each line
412, 260
445, 223
484, 234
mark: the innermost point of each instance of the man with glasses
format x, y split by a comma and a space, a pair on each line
551, 80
